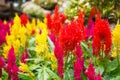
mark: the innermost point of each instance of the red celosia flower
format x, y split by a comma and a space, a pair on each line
24, 19
101, 36
55, 23
58, 51
24, 56
12, 68
90, 72
2, 63
73, 33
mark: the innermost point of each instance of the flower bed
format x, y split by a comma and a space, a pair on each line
55, 49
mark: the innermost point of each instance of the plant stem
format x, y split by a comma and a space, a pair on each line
118, 55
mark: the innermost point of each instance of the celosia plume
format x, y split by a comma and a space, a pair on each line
101, 36
58, 51
24, 57
73, 33
24, 19
12, 68
2, 63
90, 72
55, 23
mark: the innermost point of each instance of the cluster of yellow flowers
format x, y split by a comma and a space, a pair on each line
20, 36
116, 39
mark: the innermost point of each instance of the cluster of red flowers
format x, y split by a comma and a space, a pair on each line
73, 33
55, 23
101, 36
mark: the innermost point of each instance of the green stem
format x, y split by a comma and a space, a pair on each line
118, 55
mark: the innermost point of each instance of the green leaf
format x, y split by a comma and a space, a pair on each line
33, 67
99, 69
52, 75
111, 65
24, 76
51, 45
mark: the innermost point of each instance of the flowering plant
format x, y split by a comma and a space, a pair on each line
54, 49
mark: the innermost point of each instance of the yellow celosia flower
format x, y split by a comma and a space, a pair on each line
54, 66
6, 49
17, 19
28, 28
16, 45
116, 40
114, 54
116, 36
10, 39
24, 68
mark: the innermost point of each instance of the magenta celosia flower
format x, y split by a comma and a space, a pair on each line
79, 64
2, 63
12, 68
78, 52
58, 51
4, 29
98, 77
91, 24
90, 72
24, 56
52, 37
101, 36
78, 67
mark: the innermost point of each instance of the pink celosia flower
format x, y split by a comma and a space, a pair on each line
2, 63
79, 64
24, 56
12, 68
78, 67
58, 51
4, 30
90, 72
78, 52
91, 24
98, 77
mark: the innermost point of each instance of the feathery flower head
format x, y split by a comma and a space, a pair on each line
78, 67
58, 51
73, 33
12, 68
2, 63
90, 72
24, 56
24, 19
55, 23
4, 30
101, 36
